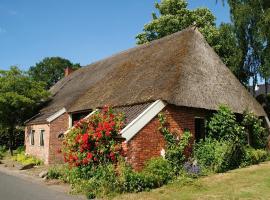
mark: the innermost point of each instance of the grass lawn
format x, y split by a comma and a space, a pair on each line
248, 183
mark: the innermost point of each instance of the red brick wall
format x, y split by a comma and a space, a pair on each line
58, 126
40, 152
149, 141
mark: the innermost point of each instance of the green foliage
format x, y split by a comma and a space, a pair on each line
20, 149
230, 53
174, 16
257, 134
50, 70
223, 125
176, 146
108, 179
160, 169
19, 97
55, 172
254, 156
251, 22
26, 159
218, 156
2, 151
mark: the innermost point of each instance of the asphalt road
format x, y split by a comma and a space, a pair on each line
16, 188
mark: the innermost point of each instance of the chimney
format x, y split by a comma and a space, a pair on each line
68, 71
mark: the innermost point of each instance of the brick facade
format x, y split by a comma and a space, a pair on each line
58, 126
146, 144
40, 152
149, 142
49, 153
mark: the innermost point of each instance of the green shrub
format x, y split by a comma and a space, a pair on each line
160, 169
219, 156
2, 151
26, 159
223, 126
254, 156
131, 181
20, 149
55, 172
256, 133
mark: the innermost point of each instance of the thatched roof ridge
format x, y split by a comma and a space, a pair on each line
181, 69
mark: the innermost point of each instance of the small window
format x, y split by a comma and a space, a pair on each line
41, 138
61, 136
199, 129
32, 137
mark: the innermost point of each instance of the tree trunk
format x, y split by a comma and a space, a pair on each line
11, 139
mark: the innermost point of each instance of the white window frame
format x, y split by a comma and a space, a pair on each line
32, 135
40, 131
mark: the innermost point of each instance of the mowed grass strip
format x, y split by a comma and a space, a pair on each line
248, 183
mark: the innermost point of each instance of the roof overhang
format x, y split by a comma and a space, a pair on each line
56, 115
143, 119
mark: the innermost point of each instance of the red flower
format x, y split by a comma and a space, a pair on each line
108, 134
89, 155
85, 161
85, 138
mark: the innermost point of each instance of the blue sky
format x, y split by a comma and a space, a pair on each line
82, 31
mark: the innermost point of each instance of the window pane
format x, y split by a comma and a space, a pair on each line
32, 139
41, 138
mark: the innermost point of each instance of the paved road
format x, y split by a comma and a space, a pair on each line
16, 188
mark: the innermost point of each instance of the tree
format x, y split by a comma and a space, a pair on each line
230, 53
19, 96
251, 19
50, 70
173, 16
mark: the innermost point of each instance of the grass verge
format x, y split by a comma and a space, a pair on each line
246, 183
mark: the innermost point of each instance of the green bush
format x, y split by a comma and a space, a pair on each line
256, 133
55, 172
218, 156
26, 159
254, 156
131, 181
160, 169
20, 149
223, 126
2, 151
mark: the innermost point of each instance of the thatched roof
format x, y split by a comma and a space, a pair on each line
181, 69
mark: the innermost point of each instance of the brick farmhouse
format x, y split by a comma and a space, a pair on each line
179, 75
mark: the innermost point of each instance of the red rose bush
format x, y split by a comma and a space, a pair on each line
92, 141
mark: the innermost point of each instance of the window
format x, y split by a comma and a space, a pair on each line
79, 115
41, 137
61, 136
32, 137
199, 129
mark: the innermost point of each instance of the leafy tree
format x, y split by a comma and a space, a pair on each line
230, 52
50, 70
19, 96
174, 16
251, 19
